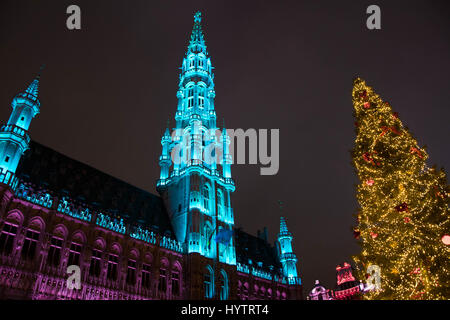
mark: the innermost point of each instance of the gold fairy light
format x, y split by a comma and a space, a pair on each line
403, 222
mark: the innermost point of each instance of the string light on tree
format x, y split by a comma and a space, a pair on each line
403, 222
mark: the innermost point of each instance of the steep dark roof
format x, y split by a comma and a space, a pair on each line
48, 169
255, 249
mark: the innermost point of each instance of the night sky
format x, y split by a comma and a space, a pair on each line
108, 90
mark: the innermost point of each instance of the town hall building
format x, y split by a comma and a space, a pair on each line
130, 244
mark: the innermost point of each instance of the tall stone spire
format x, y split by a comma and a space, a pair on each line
195, 184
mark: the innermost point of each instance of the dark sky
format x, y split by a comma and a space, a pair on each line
108, 90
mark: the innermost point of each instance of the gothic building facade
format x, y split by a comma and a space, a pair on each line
57, 212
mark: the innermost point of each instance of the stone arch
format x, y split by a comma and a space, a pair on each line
225, 286
164, 262
134, 254
176, 265
79, 237
148, 258
116, 248
15, 216
36, 223
99, 243
61, 231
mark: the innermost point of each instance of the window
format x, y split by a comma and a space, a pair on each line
220, 204
146, 276
7, 237
162, 285
30, 244
209, 283
190, 97
201, 97
223, 285
200, 62
94, 269
131, 272
206, 197
191, 63
112, 267
74, 254
175, 284
7, 159
54, 253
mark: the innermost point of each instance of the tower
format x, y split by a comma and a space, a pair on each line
14, 138
195, 180
287, 258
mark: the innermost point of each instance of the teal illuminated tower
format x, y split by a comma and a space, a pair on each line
195, 180
14, 138
287, 258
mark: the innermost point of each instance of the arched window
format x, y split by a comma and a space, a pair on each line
113, 261
54, 252
245, 291
7, 237
220, 204
176, 271
147, 271
209, 282
224, 288
191, 62
30, 243
78, 239
190, 96
206, 196
96, 258
201, 60
162, 284
201, 96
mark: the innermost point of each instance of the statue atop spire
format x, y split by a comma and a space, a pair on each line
198, 17
197, 41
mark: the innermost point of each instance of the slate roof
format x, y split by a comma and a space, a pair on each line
255, 249
48, 169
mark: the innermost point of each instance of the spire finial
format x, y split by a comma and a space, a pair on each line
198, 17
197, 42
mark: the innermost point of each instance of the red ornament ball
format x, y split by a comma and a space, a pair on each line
370, 182
367, 105
406, 219
446, 239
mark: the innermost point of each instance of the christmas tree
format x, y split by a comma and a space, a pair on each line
403, 222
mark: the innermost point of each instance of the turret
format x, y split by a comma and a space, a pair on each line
14, 138
287, 258
164, 159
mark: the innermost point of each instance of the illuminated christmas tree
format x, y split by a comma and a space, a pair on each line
403, 222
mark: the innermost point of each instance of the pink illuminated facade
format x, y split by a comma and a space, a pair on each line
347, 287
